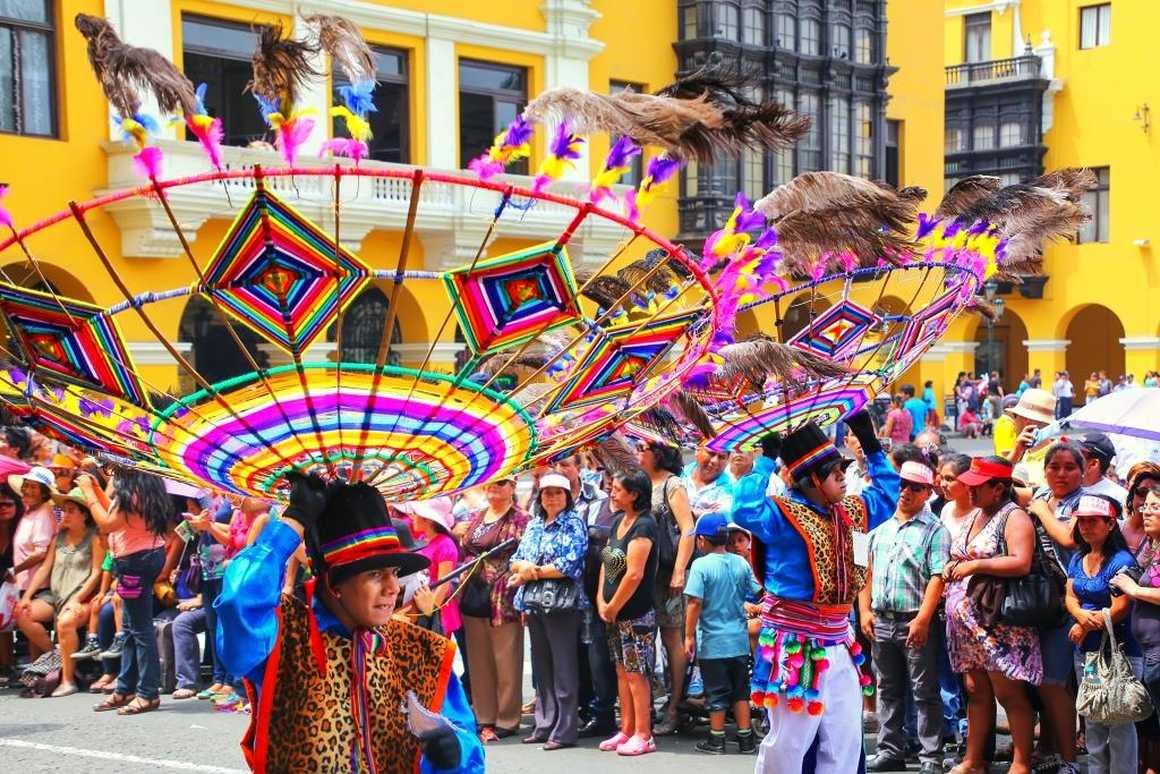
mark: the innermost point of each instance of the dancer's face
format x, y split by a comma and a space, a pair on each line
369, 597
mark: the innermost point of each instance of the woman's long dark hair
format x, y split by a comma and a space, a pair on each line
636, 482
667, 457
1115, 540
144, 494
8, 491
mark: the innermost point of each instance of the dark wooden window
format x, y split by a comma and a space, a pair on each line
390, 122
728, 21
362, 329
490, 97
1099, 227
217, 53
786, 36
811, 37
635, 171
753, 26
27, 68
864, 45
893, 172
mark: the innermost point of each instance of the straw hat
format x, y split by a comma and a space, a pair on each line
74, 496
1036, 405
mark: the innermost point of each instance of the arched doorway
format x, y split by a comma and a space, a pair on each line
800, 313
214, 354
1094, 335
1001, 349
362, 329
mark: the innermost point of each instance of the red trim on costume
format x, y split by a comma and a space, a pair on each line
807, 539
260, 711
316, 646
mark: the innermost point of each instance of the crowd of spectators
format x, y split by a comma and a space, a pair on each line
638, 595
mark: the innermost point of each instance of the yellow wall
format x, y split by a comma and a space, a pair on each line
45, 174
1093, 126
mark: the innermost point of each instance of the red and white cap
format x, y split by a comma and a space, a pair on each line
1095, 505
917, 473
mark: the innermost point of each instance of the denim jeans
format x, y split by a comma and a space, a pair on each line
894, 663
603, 704
186, 653
140, 663
211, 589
106, 630
1112, 749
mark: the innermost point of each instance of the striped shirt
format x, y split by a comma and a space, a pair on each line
904, 556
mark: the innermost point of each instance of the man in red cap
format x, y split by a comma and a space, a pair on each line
806, 673
335, 683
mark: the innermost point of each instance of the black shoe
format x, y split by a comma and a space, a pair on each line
883, 762
930, 767
598, 727
747, 743
714, 745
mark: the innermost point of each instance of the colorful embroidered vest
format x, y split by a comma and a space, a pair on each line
830, 546
304, 721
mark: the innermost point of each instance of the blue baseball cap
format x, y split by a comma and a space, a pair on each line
712, 525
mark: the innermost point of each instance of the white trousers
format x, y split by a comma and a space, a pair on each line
838, 729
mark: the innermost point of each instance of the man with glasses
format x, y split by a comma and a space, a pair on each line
907, 555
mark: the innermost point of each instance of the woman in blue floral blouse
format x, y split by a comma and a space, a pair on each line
548, 570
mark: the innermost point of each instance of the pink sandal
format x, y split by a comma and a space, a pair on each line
610, 744
637, 746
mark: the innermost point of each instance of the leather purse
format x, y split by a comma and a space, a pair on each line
1110, 693
553, 595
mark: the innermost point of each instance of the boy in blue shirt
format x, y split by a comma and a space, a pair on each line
716, 630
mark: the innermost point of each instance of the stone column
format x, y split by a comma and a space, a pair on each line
442, 106
1048, 355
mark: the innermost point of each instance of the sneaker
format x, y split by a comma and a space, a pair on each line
90, 652
229, 703
116, 648
714, 745
747, 743
613, 742
637, 746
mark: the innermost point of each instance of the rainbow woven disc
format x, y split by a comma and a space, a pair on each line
422, 436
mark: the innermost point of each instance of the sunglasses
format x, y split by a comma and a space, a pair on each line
7, 504
914, 487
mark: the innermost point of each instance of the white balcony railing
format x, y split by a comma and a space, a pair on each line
451, 219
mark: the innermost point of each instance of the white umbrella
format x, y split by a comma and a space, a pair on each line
1134, 411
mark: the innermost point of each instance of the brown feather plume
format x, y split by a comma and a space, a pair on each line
756, 360
123, 70
691, 410
606, 290
699, 117
870, 231
615, 453
983, 308
281, 66
812, 191
344, 42
966, 193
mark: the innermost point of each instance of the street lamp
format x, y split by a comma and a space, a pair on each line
990, 290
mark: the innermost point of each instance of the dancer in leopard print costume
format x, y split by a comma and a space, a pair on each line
335, 683
805, 673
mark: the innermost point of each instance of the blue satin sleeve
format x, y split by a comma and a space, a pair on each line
247, 616
881, 495
752, 508
458, 712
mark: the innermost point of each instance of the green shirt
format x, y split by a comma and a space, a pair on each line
904, 556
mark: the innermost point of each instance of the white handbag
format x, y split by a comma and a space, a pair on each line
1110, 693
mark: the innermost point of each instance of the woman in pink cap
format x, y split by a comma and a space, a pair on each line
433, 523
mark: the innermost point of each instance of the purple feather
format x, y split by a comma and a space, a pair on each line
926, 225
622, 150
518, 132
747, 219
562, 143
662, 168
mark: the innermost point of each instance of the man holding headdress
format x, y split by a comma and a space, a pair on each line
335, 683
806, 672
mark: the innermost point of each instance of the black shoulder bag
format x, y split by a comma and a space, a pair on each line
668, 538
550, 595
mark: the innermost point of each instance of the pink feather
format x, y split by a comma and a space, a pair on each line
291, 135
210, 138
345, 146
5, 215
147, 163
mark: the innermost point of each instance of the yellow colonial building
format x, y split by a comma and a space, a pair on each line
452, 72
1035, 85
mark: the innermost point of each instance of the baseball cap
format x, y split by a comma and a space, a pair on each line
712, 525
1096, 505
917, 473
1098, 445
983, 470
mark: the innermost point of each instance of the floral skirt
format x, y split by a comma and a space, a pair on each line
631, 643
1010, 650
